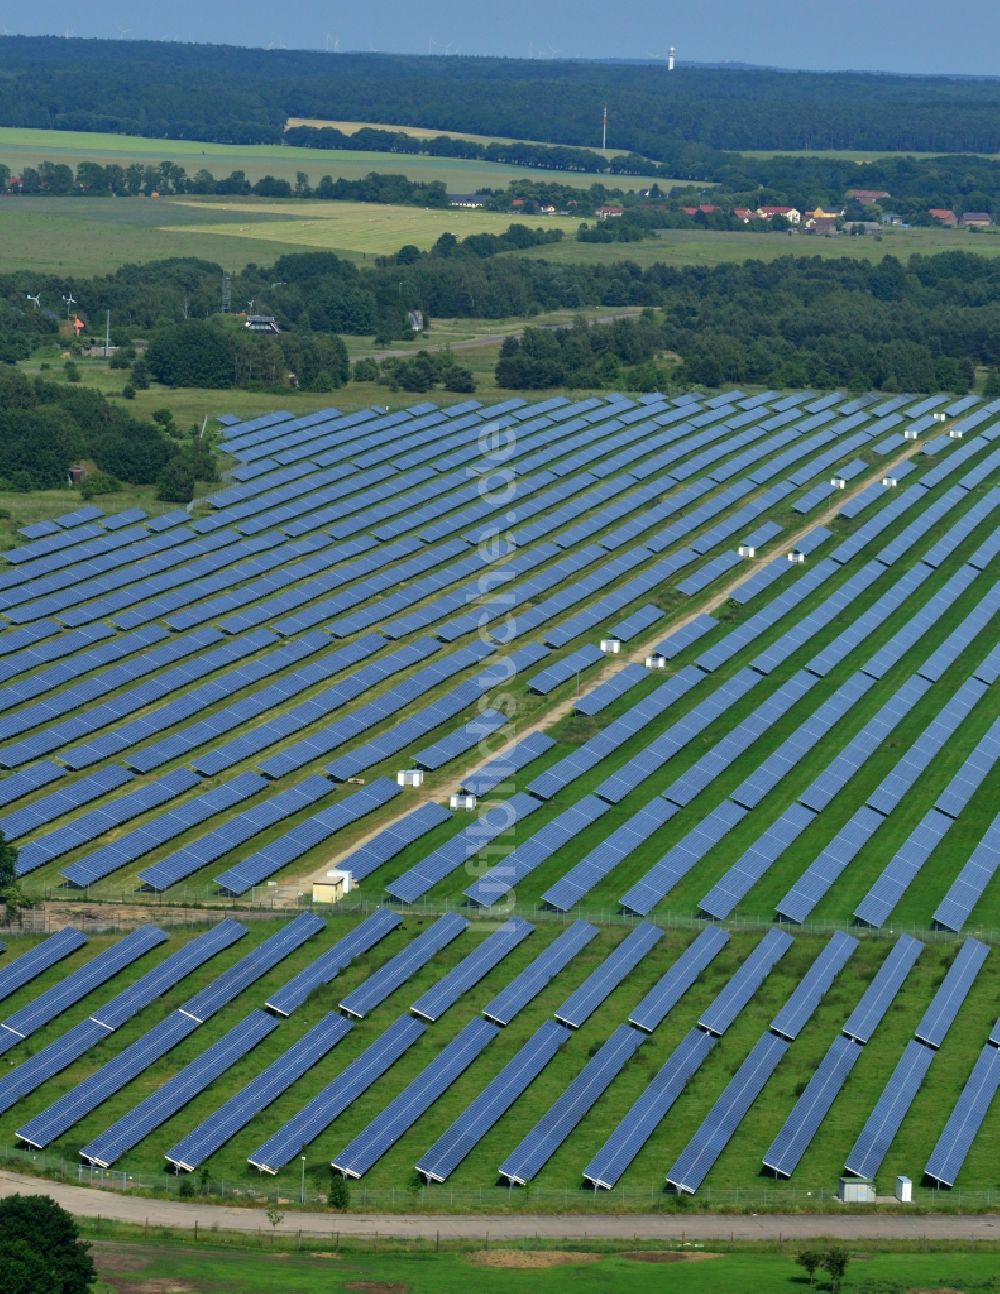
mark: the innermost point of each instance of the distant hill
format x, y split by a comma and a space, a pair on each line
235, 95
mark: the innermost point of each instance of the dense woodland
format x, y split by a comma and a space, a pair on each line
45, 426
239, 95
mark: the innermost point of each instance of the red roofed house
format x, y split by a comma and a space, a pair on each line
607, 213
976, 219
868, 195
791, 214
943, 216
744, 214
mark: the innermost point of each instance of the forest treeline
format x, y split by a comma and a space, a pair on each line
920, 324
236, 95
915, 185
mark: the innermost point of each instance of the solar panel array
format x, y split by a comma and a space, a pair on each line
330, 607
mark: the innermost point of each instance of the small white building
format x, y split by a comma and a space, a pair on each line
838, 482
797, 556
410, 777
956, 433
747, 550
463, 801
890, 482
940, 417
611, 646
656, 661
904, 1190
854, 1191
910, 433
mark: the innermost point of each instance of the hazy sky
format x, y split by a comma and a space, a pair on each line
892, 35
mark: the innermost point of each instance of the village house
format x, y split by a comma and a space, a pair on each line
609, 212
867, 196
791, 214
976, 219
943, 216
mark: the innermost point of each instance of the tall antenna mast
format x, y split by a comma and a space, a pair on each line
605, 136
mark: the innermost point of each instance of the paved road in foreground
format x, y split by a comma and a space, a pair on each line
86, 1202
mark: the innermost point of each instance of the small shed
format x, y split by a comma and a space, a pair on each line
747, 550
838, 482
463, 801
410, 777
910, 433
656, 661
904, 1190
940, 417
955, 433
891, 481
611, 646
336, 885
797, 556
853, 1190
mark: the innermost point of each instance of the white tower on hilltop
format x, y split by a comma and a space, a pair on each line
671, 59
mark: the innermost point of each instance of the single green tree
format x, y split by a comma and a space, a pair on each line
24, 1271
811, 1261
835, 1263
339, 1194
49, 1233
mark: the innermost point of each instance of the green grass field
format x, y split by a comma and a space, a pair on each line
27, 147
206, 1268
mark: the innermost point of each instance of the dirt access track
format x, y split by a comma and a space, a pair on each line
894, 1224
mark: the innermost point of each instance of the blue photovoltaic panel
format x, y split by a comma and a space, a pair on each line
222, 1125
471, 969
103, 1083
753, 971
526, 986
603, 858
400, 1114
880, 993
814, 985
565, 669
31, 964
48, 1062
316, 1116
898, 874
947, 1001
966, 1119
675, 982
417, 953
328, 965
250, 968
393, 840
77, 985
696, 1159
167, 973
649, 1110
877, 1135
600, 983
177, 1091
499, 770
812, 1106
970, 884
603, 695
537, 849
492, 1103
545, 1138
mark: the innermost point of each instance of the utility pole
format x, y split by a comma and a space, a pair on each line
107, 333
605, 143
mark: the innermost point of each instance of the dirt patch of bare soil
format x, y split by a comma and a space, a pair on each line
692, 1256
377, 1287
529, 1258
109, 1259
160, 1285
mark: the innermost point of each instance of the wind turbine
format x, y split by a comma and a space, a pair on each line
37, 300
332, 43
70, 300
123, 32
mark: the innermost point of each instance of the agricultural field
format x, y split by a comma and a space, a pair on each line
21, 146
217, 706
127, 1267
709, 247
368, 228
423, 132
